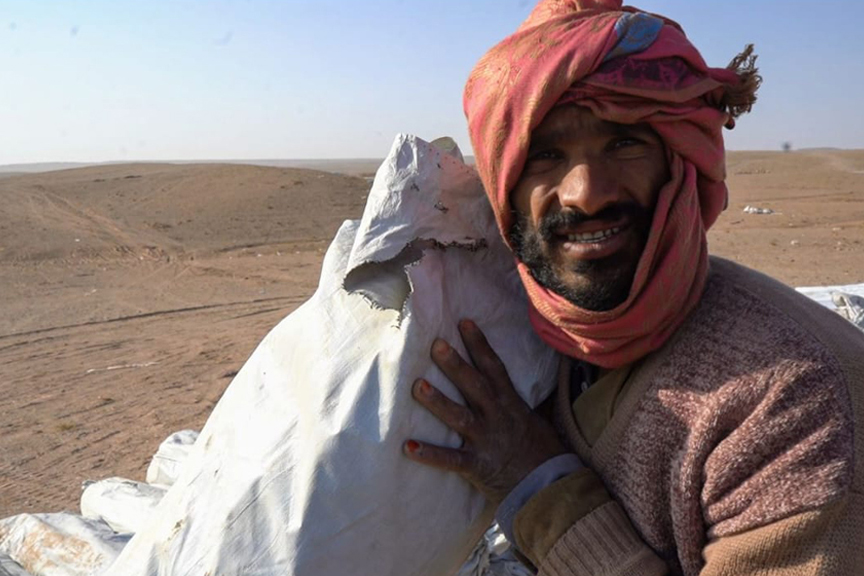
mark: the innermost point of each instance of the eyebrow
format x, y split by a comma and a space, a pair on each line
552, 136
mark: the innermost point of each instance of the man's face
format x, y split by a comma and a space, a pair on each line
584, 204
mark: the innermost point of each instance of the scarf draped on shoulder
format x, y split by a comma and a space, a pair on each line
628, 67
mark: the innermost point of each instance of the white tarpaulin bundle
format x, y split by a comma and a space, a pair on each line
299, 469
848, 301
9, 567
124, 505
65, 544
59, 544
165, 465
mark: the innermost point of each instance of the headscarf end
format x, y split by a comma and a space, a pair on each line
739, 97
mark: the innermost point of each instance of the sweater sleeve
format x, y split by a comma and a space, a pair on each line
573, 527
812, 543
544, 475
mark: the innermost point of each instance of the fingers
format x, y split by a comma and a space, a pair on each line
482, 355
471, 383
451, 459
457, 417
484, 384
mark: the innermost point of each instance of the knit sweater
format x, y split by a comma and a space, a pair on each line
735, 449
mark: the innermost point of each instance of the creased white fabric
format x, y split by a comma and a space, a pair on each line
59, 544
165, 464
124, 505
299, 469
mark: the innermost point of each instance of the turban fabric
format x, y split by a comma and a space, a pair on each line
627, 67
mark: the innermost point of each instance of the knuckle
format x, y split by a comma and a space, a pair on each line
482, 383
515, 404
464, 420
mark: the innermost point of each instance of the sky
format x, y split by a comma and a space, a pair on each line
94, 80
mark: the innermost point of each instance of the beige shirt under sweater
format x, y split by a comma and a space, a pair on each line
729, 451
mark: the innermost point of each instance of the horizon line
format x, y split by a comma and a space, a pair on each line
48, 166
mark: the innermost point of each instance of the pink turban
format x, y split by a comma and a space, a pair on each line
627, 67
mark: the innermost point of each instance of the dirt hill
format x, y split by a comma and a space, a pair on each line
130, 294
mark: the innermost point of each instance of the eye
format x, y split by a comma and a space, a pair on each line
542, 160
625, 142
544, 155
629, 147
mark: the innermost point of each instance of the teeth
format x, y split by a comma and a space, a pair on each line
593, 236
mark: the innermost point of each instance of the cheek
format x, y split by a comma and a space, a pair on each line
530, 200
645, 179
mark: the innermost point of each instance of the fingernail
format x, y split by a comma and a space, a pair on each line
467, 325
424, 388
412, 446
440, 346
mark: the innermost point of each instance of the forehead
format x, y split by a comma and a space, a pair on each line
572, 123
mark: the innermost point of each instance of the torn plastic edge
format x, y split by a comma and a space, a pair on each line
409, 256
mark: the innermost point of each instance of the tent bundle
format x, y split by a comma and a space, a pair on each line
299, 471
114, 509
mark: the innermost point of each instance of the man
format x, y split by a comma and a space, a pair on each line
705, 419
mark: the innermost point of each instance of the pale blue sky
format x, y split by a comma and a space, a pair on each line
253, 79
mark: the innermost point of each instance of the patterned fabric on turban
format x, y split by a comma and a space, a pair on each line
627, 67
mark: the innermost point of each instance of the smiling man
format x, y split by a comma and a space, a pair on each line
707, 418
584, 204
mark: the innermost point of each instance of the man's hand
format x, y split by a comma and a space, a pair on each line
503, 439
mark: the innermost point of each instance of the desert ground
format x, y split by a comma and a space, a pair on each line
130, 294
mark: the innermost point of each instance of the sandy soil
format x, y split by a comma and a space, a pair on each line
131, 294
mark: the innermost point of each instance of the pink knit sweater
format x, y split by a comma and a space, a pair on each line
730, 451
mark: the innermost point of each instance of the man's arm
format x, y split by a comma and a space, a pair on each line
573, 527
554, 531
504, 441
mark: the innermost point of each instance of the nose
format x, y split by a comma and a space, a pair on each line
588, 187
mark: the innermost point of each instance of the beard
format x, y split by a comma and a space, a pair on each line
596, 285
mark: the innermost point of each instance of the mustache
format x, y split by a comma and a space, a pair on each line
569, 218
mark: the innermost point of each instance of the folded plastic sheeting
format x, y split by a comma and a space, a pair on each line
57, 545
9, 567
165, 465
125, 505
299, 469
848, 301
493, 556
